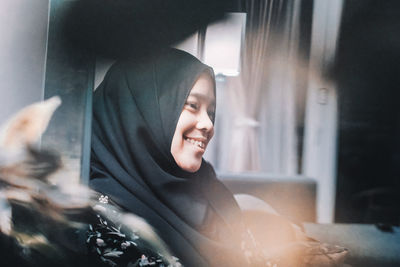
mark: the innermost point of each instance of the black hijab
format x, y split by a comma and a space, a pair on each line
136, 109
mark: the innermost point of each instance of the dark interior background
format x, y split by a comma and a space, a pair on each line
368, 76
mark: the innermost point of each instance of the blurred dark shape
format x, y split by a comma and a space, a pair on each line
384, 227
367, 75
378, 205
122, 28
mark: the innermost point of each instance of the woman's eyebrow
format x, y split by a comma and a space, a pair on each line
210, 100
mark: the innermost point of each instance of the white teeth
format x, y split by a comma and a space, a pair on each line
195, 142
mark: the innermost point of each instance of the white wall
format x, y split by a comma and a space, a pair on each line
320, 133
23, 36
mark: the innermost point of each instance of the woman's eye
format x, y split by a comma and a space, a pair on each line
192, 105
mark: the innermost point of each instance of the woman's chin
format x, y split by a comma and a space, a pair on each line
190, 166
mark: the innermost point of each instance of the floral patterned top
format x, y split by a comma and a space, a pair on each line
113, 245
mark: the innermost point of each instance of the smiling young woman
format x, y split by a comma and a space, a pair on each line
153, 119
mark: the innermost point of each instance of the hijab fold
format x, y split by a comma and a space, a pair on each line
136, 109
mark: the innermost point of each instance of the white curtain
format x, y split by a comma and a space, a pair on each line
258, 121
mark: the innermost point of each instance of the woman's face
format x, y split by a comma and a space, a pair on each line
195, 125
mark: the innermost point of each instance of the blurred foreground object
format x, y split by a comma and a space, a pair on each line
283, 243
122, 28
45, 224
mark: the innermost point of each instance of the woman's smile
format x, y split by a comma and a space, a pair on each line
197, 141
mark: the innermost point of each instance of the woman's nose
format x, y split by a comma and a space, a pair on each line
204, 122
